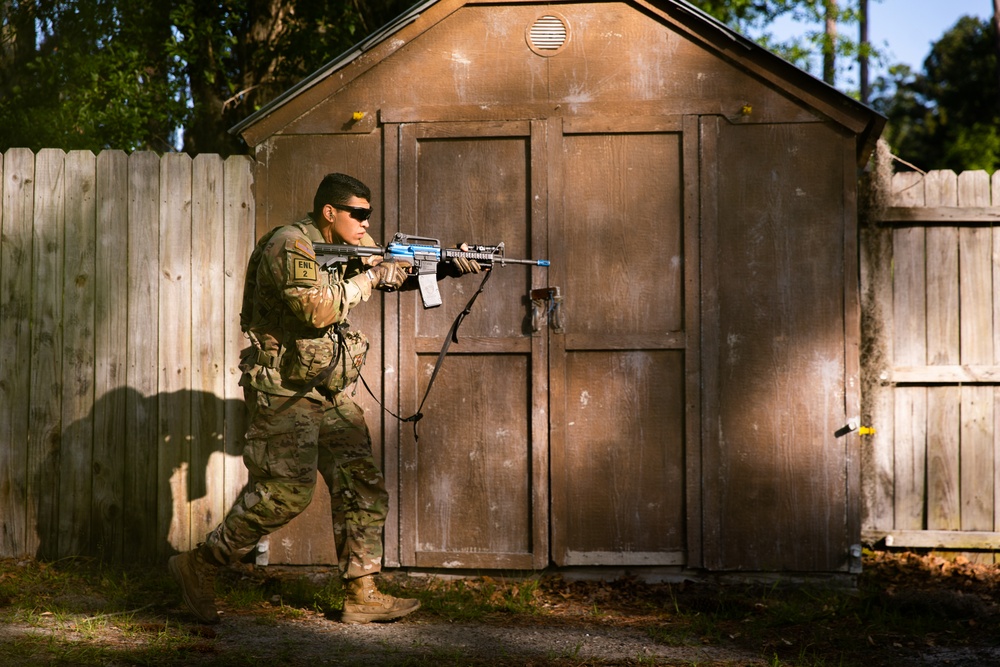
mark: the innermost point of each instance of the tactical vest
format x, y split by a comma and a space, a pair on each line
306, 358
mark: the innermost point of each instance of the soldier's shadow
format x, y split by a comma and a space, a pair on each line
140, 477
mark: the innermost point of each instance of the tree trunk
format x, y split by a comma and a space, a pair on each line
996, 36
830, 42
863, 50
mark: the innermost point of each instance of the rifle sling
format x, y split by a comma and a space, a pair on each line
451, 337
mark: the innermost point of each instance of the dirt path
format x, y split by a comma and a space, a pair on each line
318, 641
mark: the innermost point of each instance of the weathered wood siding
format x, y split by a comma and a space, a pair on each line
121, 419
932, 276
697, 200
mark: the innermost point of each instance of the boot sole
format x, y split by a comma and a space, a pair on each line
175, 571
361, 617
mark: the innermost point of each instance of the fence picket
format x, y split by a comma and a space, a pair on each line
240, 236
15, 306
142, 345
174, 325
207, 347
943, 419
976, 345
909, 304
111, 323
45, 394
76, 450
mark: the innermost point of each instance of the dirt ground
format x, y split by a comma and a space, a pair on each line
907, 609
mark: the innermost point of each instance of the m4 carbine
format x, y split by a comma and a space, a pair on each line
424, 255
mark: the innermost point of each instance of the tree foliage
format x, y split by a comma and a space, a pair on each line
95, 74
946, 117
755, 18
86, 77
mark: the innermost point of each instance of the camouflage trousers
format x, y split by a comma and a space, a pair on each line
287, 443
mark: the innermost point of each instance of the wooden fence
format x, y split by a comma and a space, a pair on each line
931, 285
120, 281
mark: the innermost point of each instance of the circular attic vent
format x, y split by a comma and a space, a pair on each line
548, 34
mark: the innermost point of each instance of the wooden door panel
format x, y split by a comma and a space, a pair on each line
621, 368
470, 487
622, 231
488, 204
625, 416
474, 459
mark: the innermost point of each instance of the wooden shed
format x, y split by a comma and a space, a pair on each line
668, 393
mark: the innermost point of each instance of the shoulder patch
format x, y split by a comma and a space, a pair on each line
305, 248
303, 269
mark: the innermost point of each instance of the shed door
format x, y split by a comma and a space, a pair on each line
607, 388
624, 371
473, 488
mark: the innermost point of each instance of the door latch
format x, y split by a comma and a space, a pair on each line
546, 305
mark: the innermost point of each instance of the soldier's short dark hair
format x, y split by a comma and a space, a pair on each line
337, 189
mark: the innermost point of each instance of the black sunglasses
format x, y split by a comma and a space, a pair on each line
359, 213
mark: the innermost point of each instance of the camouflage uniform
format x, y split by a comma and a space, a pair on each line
302, 356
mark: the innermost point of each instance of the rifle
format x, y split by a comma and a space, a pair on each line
424, 254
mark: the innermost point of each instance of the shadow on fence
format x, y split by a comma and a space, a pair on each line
153, 483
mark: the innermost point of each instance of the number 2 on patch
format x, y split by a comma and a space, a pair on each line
305, 269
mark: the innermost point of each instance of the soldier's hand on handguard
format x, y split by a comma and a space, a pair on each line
389, 276
459, 266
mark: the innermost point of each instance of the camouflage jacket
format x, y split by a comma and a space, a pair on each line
295, 315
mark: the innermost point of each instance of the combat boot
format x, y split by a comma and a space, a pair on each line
364, 603
196, 577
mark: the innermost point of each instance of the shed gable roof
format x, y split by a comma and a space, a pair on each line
709, 33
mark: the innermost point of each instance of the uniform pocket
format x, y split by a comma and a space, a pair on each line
306, 358
280, 445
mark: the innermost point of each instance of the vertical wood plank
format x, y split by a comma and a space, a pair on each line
110, 346
852, 352
15, 331
389, 377
909, 342
691, 238
77, 447
45, 395
141, 475
174, 386
539, 372
206, 471
558, 490
239, 242
711, 345
976, 345
943, 419
995, 188
407, 215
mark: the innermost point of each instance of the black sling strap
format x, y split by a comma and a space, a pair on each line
451, 337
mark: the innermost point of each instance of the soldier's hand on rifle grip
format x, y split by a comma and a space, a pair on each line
388, 276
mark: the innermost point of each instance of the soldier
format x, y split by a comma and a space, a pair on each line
302, 356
